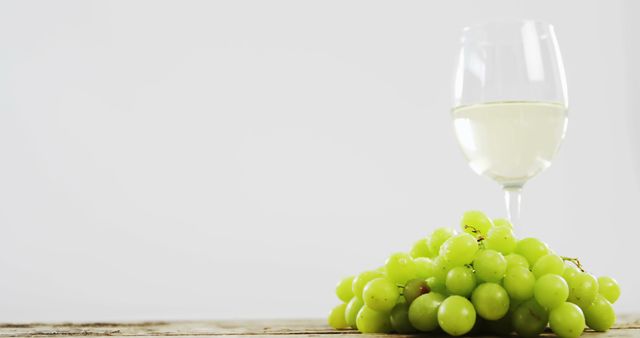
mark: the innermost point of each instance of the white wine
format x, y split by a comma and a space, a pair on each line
510, 141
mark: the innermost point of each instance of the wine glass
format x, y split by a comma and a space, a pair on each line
510, 102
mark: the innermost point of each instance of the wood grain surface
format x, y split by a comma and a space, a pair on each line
627, 326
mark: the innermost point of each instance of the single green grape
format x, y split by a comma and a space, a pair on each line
514, 259
441, 268
361, 281
609, 288
501, 239
423, 312
414, 289
567, 320
460, 281
570, 272
337, 319
380, 294
437, 285
351, 312
456, 315
490, 300
600, 315
459, 249
583, 289
400, 319
502, 222
529, 319
439, 236
372, 321
519, 282
490, 265
344, 290
421, 248
549, 263
551, 291
501, 327
532, 249
400, 267
425, 267
475, 223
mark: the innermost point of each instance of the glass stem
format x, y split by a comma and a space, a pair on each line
513, 199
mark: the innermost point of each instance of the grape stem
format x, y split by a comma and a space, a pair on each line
573, 260
475, 231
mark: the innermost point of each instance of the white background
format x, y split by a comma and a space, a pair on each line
234, 159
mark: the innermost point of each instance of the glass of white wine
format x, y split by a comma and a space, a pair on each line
510, 102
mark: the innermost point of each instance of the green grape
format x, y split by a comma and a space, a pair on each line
514, 259
425, 267
519, 282
476, 223
414, 289
372, 321
459, 249
490, 265
551, 291
609, 288
441, 268
570, 272
548, 264
490, 300
583, 289
501, 327
437, 285
380, 294
344, 290
438, 237
567, 320
529, 319
336, 318
502, 222
600, 315
501, 239
423, 312
460, 281
421, 249
456, 315
400, 319
361, 281
532, 249
400, 267
351, 312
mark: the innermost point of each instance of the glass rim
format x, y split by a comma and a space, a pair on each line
506, 22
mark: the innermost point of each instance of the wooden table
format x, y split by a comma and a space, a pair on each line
627, 326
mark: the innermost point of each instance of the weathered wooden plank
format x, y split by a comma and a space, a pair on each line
178, 328
627, 326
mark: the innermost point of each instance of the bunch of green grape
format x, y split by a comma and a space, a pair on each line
480, 279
